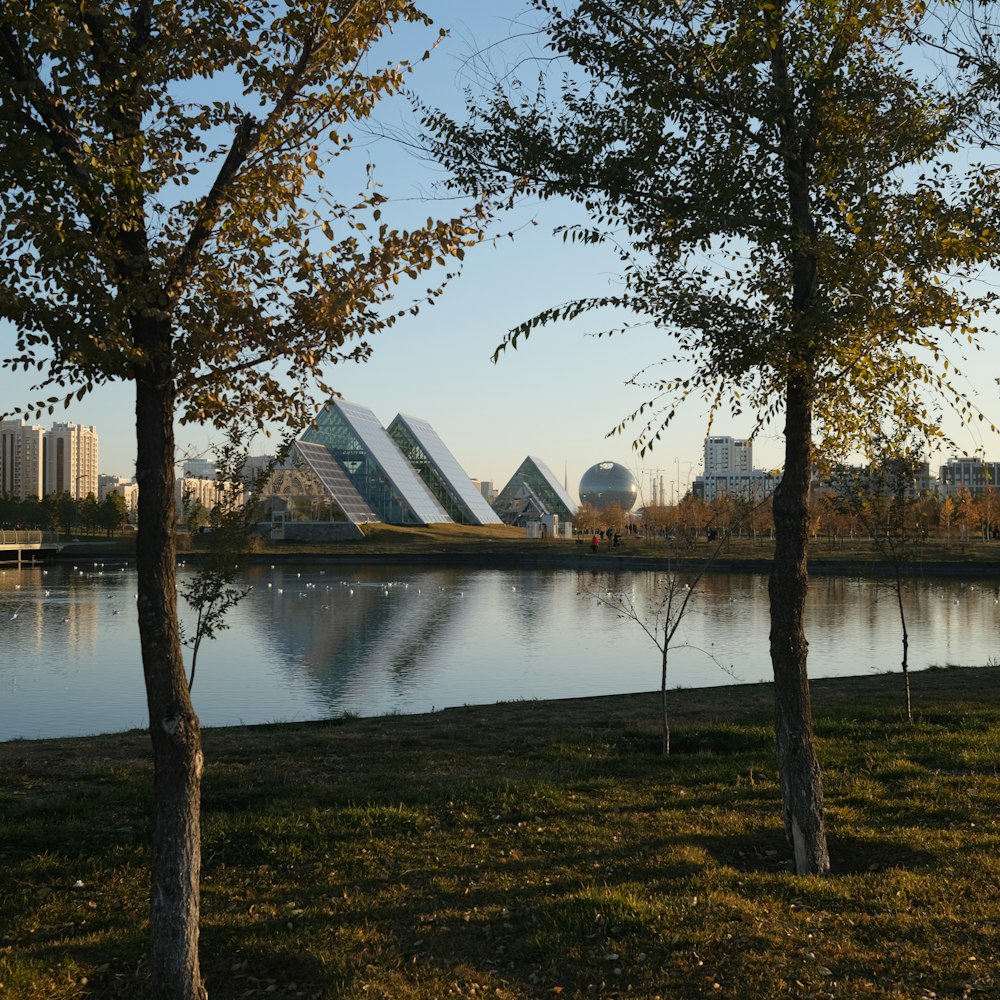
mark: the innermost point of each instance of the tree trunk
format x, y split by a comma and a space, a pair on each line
665, 717
798, 767
173, 726
907, 701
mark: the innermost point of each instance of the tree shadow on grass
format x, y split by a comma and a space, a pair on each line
852, 855
765, 849
232, 970
720, 741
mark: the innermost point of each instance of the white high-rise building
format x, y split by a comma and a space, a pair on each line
109, 484
727, 454
71, 460
22, 451
729, 471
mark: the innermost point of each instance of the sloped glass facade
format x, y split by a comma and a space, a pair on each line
334, 481
374, 464
439, 469
543, 485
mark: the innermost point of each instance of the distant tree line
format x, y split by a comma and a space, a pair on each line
61, 512
840, 513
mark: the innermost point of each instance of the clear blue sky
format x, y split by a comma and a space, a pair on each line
559, 394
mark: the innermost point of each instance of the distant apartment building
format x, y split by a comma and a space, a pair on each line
972, 474
889, 477
728, 455
22, 452
753, 485
486, 489
207, 492
71, 460
110, 484
264, 465
922, 478
895, 474
129, 491
729, 471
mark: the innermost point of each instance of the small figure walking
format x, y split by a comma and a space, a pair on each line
594, 543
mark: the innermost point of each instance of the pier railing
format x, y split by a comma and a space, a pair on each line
25, 539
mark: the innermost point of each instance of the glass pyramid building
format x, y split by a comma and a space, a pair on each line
334, 480
439, 469
533, 485
372, 464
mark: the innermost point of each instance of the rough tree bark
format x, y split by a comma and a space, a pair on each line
801, 781
173, 726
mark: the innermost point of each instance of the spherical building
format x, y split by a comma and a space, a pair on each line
607, 483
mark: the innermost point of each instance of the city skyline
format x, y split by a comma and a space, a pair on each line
561, 392
36, 461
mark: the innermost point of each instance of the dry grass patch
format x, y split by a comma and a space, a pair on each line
536, 849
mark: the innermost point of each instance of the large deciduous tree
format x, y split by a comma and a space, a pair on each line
164, 221
774, 177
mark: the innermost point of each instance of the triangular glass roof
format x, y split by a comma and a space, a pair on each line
539, 477
440, 470
374, 464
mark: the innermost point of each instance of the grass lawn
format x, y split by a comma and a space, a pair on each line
533, 849
487, 543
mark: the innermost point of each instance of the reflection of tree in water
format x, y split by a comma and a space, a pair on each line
364, 648
721, 596
856, 614
353, 627
532, 609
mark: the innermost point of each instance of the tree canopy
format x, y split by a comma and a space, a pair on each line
675, 125
168, 160
166, 218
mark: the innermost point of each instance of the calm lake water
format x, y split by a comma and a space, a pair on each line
309, 643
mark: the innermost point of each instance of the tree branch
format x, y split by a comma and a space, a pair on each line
724, 105
246, 140
55, 120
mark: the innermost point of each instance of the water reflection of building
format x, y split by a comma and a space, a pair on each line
55, 609
349, 635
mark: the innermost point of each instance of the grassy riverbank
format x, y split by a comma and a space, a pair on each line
505, 546
535, 849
